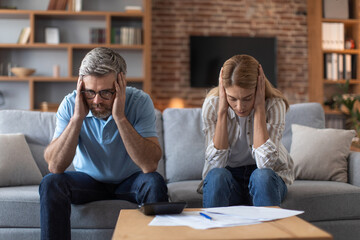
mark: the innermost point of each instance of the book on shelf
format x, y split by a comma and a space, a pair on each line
333, 36
339, 66
57, 4
335, 121
334, 66
77, 5
61, 5
51, 5
24, 36
327, 66
126, 35
348, 66
115, 35
353, 67
97, 35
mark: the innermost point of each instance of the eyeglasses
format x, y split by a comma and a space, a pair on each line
104, 94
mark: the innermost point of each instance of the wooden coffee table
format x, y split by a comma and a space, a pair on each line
132, 224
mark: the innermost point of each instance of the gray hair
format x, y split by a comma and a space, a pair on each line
101, 61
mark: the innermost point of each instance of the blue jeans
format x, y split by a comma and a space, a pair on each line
245, 185
59, 191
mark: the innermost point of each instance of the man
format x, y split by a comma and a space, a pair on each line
107, 130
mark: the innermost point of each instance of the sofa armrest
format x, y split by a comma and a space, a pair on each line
354, 168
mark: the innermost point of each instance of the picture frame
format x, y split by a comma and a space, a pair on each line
52, 35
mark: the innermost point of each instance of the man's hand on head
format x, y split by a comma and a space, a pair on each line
81, 107
118, 110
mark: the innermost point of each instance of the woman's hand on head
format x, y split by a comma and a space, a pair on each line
223, 104
260, 90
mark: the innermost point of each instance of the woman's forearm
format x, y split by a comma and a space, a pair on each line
261, 134
221, 139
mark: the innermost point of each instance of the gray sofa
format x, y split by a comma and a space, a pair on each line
332, 206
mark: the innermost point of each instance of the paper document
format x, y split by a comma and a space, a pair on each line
223, 217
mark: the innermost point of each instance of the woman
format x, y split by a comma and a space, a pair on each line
244, 119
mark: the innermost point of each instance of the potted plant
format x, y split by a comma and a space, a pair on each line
349, 104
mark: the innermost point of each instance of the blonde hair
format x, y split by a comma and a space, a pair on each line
243, 71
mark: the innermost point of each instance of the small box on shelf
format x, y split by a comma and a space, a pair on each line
49, 107
336, 9
133, 9
52, 35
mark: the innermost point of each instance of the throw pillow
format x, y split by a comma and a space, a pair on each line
320, 154
184, 144
17, 165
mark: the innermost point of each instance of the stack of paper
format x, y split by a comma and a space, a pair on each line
223, 217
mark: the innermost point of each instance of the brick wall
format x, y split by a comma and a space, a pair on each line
173, 21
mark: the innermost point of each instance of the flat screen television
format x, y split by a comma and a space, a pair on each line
208, 54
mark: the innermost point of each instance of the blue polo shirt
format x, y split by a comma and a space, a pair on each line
101, 152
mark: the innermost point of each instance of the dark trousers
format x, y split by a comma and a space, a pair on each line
59, 191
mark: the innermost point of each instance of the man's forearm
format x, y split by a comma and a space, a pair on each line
144, 152
60, 152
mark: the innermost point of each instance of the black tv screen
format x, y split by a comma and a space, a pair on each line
208, 54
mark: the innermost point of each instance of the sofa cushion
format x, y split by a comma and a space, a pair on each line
38, 128
307, 114
20, 206
17, 165
341, 230
22, 203
37, 150
184, 144
323, 200
185, 191
354, 168
320, 154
